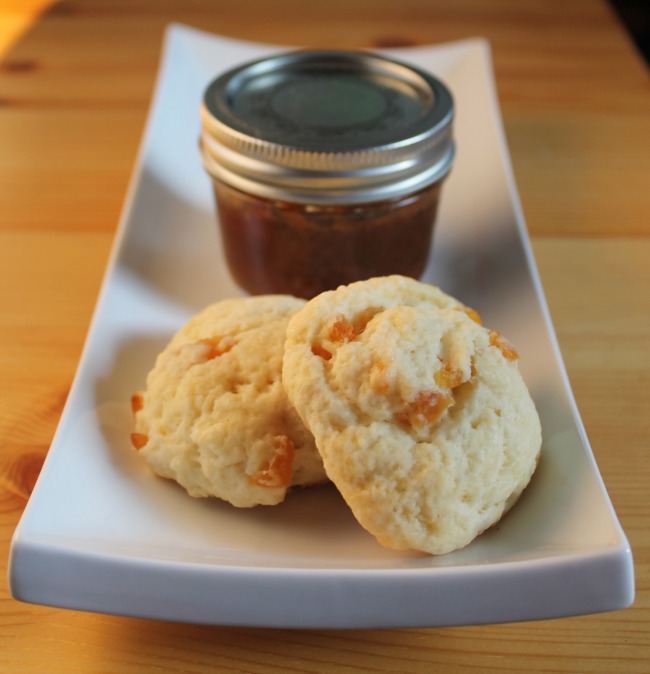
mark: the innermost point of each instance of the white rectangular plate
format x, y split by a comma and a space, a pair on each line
101, 533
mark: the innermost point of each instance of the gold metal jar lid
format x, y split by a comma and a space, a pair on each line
327, 127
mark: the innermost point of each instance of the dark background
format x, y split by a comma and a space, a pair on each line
635, 16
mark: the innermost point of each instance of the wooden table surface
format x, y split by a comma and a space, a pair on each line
575, 97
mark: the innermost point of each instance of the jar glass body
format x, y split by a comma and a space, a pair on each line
274, 246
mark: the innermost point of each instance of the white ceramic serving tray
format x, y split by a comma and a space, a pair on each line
101, 533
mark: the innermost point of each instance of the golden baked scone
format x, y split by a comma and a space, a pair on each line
422, 418
215, 417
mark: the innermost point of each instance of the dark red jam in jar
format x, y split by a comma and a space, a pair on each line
327, 168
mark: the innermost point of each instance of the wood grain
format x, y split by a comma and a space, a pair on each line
74, 92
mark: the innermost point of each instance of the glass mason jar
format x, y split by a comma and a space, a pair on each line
327, 168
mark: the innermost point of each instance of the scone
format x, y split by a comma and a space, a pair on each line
215, 417
422, 418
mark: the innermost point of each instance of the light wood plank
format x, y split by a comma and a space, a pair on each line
74, 93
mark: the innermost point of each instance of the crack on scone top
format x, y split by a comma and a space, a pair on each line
451, 380
320, 351
199, 352
217, 346
343, 330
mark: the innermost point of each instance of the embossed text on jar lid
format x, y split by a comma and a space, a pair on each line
327, 126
